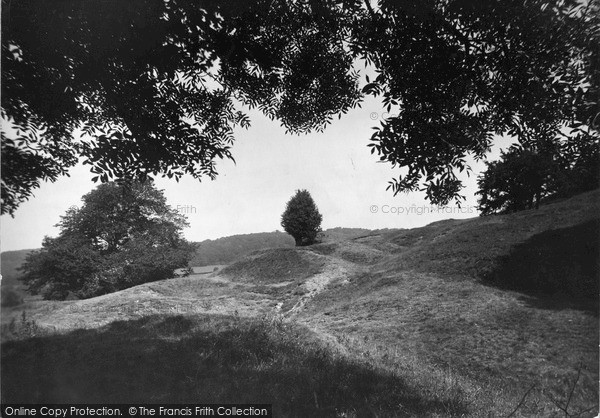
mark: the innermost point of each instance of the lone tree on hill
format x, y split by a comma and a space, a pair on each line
302, 219
122, 236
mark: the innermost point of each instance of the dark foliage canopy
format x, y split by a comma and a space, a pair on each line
301, 218
518, 181
123, 235
156, 86
524, 177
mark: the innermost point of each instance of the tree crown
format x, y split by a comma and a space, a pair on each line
301, 218
123, 235
547, 169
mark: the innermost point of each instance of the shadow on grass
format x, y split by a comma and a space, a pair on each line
206, 359
556, 269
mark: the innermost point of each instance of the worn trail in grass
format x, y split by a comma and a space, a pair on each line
392, 323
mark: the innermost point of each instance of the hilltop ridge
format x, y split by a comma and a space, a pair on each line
473, 315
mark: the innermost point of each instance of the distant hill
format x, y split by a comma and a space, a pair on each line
9, 262
340, 234
226, 250
210, 252
471, 317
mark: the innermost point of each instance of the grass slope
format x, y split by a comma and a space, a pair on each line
275, 266
445, 320
439, 293
227, 250
214, 359
474, 247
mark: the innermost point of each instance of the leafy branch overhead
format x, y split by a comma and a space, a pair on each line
156, 86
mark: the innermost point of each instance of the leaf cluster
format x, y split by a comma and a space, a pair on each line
456, 73
144, 88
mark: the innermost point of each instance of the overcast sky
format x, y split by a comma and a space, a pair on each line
336, 167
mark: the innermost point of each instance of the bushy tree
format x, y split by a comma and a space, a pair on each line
301, 218
123, 235
516, 182
523, 177
155, 84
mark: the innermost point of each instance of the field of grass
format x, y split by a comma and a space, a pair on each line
496, 343
197, 359
494, 316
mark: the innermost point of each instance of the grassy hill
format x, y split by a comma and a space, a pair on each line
12, 291
494, 316
226, 250
220, 251
10, 261
209, 254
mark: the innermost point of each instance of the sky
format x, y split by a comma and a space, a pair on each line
347, 183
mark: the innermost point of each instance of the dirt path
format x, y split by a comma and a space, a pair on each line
336, 272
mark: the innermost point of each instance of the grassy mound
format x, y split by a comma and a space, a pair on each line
350, 250
275, 266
